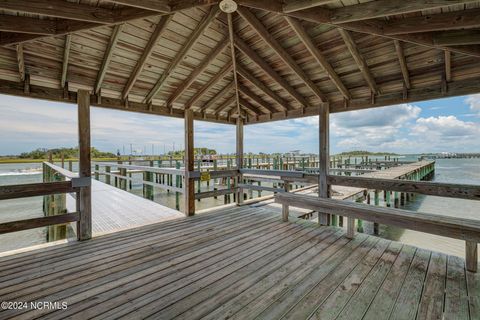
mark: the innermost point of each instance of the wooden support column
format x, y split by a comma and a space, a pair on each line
323, 187
239, 157
189, 191
84, 197
471, 256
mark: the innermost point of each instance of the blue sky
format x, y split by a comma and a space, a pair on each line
451, 124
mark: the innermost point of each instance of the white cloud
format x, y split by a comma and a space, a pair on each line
474, 102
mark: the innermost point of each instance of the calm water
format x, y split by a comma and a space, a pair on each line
465, 171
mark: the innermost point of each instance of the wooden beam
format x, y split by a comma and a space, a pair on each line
231, 36
20, 61
152, 42
252, 55
373, 27
218, 96
17, 191
117, 30
384, 8
232, 100
403, 62
9, 23
213, 81
84, 197
448, 66
239, 157
280, 51
463, 19
319, 57
192, 39
360, 61
189, 194
161, 6
33, 223
61, 9
250, 94
262, 87
297, 5
197, 71
66, 54
324, 158
247, 105
457, 38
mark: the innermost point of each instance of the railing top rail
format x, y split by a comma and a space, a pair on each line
180, 172
62, 171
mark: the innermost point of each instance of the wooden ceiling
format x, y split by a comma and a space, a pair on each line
161, 56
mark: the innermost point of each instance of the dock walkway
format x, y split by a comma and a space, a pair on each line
114, 209
239, 263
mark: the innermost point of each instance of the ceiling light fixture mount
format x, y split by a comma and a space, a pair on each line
228, 6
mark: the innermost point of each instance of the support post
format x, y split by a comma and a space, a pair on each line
239, 158
189, 191
285, 209
471, 256
84, 197
323, 187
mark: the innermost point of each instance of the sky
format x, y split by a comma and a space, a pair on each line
444, 125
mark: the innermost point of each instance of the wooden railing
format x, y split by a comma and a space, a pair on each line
58, 181
454, 227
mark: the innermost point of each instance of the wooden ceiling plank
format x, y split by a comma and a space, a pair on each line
66, 54
152, 42
318, 55
297, 5
384, 8
262, 87
457, 37
360, 61
372, 27
9, 23
247, 105
117, 30
197, 71
192, 39
403, 62
20, 61
463, 19
252, 55
161, 6
222, 93
232, 100
260, 29
250, 94
219, 76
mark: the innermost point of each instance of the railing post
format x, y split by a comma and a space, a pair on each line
107, 175
84, 197
471, 256
285, 208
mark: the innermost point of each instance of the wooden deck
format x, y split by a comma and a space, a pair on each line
114, 209
239, 263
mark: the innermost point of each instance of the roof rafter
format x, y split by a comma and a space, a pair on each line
252, 55
262, 87
226, 104
161, 6
192, 39
21, 24
231, 36
250, 94
360, 61
222, 93
319, 57
281, 52
197, 71
248, 106
457, 37
403, 62
117, 30
66, 55
297, 5
152, 42
218, 76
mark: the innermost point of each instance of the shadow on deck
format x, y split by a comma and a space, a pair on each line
239, 263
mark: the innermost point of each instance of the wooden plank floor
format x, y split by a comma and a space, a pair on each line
239, 263
114, 209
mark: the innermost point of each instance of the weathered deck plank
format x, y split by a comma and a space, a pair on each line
238, 263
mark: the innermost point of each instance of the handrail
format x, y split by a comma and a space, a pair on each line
35, 189
461, 191
62, 171
27, 224
179, 172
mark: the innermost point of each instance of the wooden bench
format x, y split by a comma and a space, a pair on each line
458, 228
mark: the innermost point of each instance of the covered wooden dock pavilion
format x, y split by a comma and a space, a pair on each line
242, 62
